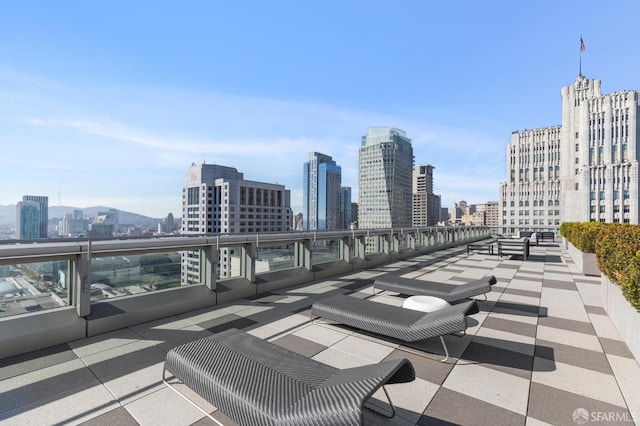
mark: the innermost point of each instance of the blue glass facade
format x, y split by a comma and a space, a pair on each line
321, 193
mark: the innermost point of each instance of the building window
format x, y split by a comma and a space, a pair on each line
193, 196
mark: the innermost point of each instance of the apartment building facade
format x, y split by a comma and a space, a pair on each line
425, 204
217, 199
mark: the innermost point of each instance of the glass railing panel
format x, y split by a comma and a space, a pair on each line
229, 262
31, 287
373, 244
403, 241
325, 251
275, 257
117, 276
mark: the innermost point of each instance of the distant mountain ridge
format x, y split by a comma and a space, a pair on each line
8, 215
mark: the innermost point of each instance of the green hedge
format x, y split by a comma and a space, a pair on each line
618, 254
617, 250
582, 235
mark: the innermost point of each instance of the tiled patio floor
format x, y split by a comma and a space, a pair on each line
541, 348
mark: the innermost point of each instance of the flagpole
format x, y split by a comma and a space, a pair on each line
581, 50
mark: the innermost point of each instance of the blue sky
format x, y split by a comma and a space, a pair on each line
109, 102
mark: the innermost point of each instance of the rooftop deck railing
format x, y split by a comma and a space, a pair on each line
56, 291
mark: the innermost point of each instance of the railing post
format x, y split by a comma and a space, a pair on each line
302, 253
360, 247
415, 239
345, 248
82, 281
394, 241
248, 261
210, 266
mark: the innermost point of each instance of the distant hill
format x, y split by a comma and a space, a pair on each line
8, 215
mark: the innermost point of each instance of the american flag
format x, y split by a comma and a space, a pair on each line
581, 45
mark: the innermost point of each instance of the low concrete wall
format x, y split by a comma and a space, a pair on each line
39, 330
585, 261
622, 314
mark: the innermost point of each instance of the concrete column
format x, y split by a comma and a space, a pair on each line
209, 267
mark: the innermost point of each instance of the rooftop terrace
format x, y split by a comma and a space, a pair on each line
541, 348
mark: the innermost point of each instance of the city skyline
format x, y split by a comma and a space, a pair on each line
108, 107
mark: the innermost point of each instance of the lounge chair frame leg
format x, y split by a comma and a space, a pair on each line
170, 386
446, 351
393, 408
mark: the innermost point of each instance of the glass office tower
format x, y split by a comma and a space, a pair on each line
321, 193
385, 179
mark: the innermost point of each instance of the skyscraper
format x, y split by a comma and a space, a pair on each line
217, 199
426, 204
345, 207
27, 220
322, 178
585, 169
385, 176
29, 226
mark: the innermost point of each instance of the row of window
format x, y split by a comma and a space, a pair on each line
616, 195
535, 213
535, 222
525, 203
616, 209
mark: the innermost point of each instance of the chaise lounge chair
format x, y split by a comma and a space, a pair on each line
450, 292
392, 321
255, 382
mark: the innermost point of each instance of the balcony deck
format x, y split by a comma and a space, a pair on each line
541, 348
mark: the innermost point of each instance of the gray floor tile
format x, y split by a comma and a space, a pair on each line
32, 361
599, 310
558, 407
299, 345
562, 285
453, 408
615, 347
45, 384
578, 380
528, 293
226, 322
116, 417
514, 327
489, 385
558, 352
500, 359
567, 324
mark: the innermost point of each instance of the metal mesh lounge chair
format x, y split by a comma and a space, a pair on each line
395, 322
255, 382
450, 292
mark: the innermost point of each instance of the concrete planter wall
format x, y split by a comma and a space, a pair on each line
585, 261
622, 314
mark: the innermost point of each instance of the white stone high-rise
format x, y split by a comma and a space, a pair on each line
583, 170
385, 179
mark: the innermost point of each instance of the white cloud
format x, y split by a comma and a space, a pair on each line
159, 132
